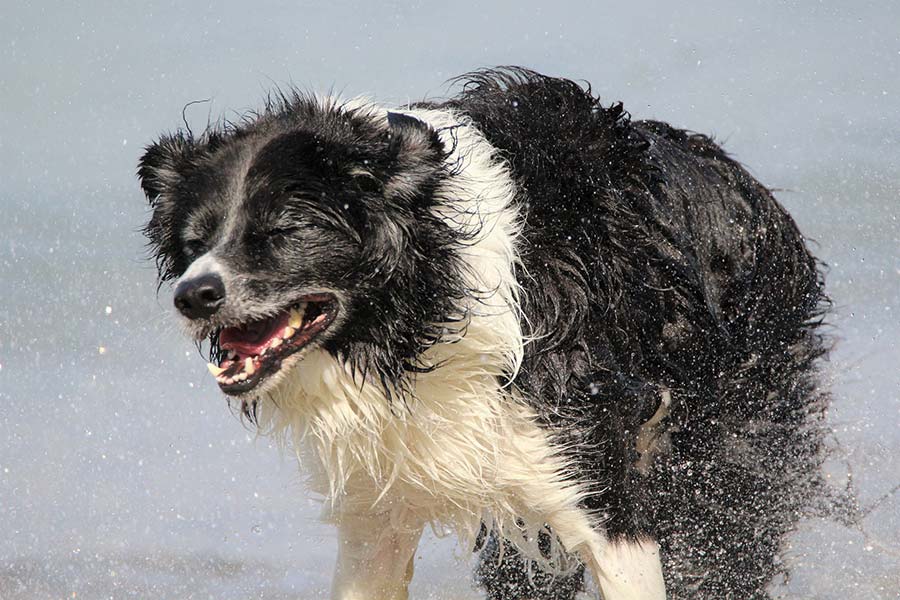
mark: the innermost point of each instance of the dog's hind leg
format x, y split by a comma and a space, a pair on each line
623, 570
624, 567
375, 557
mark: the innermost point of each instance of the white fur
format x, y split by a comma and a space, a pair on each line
206, 264
376, 556
630, 570
460, 447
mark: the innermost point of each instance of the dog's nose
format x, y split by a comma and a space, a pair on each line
200, 297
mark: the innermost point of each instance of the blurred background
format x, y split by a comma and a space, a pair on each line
123, 474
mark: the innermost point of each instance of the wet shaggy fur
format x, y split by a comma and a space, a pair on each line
660, 263
648, 265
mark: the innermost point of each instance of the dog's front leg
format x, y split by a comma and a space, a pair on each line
375, 557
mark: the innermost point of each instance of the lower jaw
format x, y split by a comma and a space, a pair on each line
268, 372
239, 376
239, 388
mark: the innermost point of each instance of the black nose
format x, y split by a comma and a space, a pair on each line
200, 297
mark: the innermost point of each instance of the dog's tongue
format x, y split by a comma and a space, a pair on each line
250, 339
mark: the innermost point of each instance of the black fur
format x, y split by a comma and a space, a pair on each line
506, 575
652, 263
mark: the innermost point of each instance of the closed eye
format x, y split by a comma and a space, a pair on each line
282, 231
194, 248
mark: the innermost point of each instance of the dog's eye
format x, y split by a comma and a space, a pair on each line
194, 248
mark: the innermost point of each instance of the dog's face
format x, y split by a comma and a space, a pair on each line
309, 227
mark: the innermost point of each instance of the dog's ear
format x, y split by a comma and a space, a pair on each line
162, 168
417, 155
165, 163
399, 121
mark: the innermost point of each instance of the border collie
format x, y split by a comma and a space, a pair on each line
579, 341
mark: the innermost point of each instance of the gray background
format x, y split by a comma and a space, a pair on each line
124, 475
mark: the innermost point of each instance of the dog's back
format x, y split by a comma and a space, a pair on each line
674, 308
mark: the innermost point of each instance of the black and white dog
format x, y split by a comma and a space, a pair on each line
579, 341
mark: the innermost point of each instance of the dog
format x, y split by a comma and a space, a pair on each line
580, 341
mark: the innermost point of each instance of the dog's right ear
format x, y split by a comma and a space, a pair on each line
165, 164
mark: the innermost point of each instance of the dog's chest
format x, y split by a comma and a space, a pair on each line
455, 451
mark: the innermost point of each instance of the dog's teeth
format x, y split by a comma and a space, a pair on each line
232, 354
275, 343
216, 371
240, 377
296, 319
288, 332
228, 380
249, 369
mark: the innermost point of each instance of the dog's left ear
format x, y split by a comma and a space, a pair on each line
417, 155
165, 164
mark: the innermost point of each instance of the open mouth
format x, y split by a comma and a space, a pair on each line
253, 351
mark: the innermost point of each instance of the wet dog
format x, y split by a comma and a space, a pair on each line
580, 341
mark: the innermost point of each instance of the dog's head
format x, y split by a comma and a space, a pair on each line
311, 225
